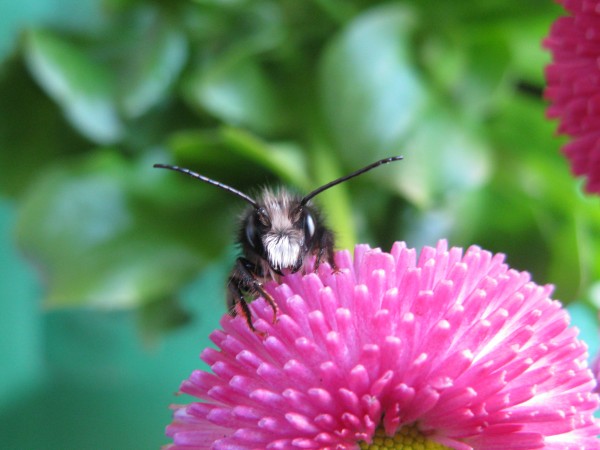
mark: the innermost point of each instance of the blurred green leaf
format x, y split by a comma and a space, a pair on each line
479, 84
563, 236
588, 233
32, 132
226, 154
88, 227
528, 56
159, 51
237, 92
444, 158
336, 201
84, 88
371, 91
158, 317
285, 160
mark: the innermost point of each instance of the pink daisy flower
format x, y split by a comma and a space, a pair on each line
573, 86
444, 348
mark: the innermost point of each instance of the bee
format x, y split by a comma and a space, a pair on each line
278, 232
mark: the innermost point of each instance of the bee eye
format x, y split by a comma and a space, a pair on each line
263, 217
309, 225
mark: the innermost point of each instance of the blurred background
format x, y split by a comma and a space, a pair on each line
112, 273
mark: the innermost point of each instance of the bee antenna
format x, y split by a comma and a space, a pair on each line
209, 181
317, 191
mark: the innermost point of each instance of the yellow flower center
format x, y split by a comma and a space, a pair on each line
407, 438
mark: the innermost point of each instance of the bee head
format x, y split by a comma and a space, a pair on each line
280, 229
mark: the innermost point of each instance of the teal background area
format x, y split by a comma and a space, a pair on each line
83, 379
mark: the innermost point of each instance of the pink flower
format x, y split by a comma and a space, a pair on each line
573, 86
458, 349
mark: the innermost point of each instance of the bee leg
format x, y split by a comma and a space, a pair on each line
236, 303
245, 270
326, 243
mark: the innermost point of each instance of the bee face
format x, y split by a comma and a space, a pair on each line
280, 230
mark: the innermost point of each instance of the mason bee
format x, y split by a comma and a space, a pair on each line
278, 232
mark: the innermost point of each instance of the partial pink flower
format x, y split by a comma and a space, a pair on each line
573, 86
456, 348
596, 369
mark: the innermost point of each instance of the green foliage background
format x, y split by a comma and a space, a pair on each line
130, 261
